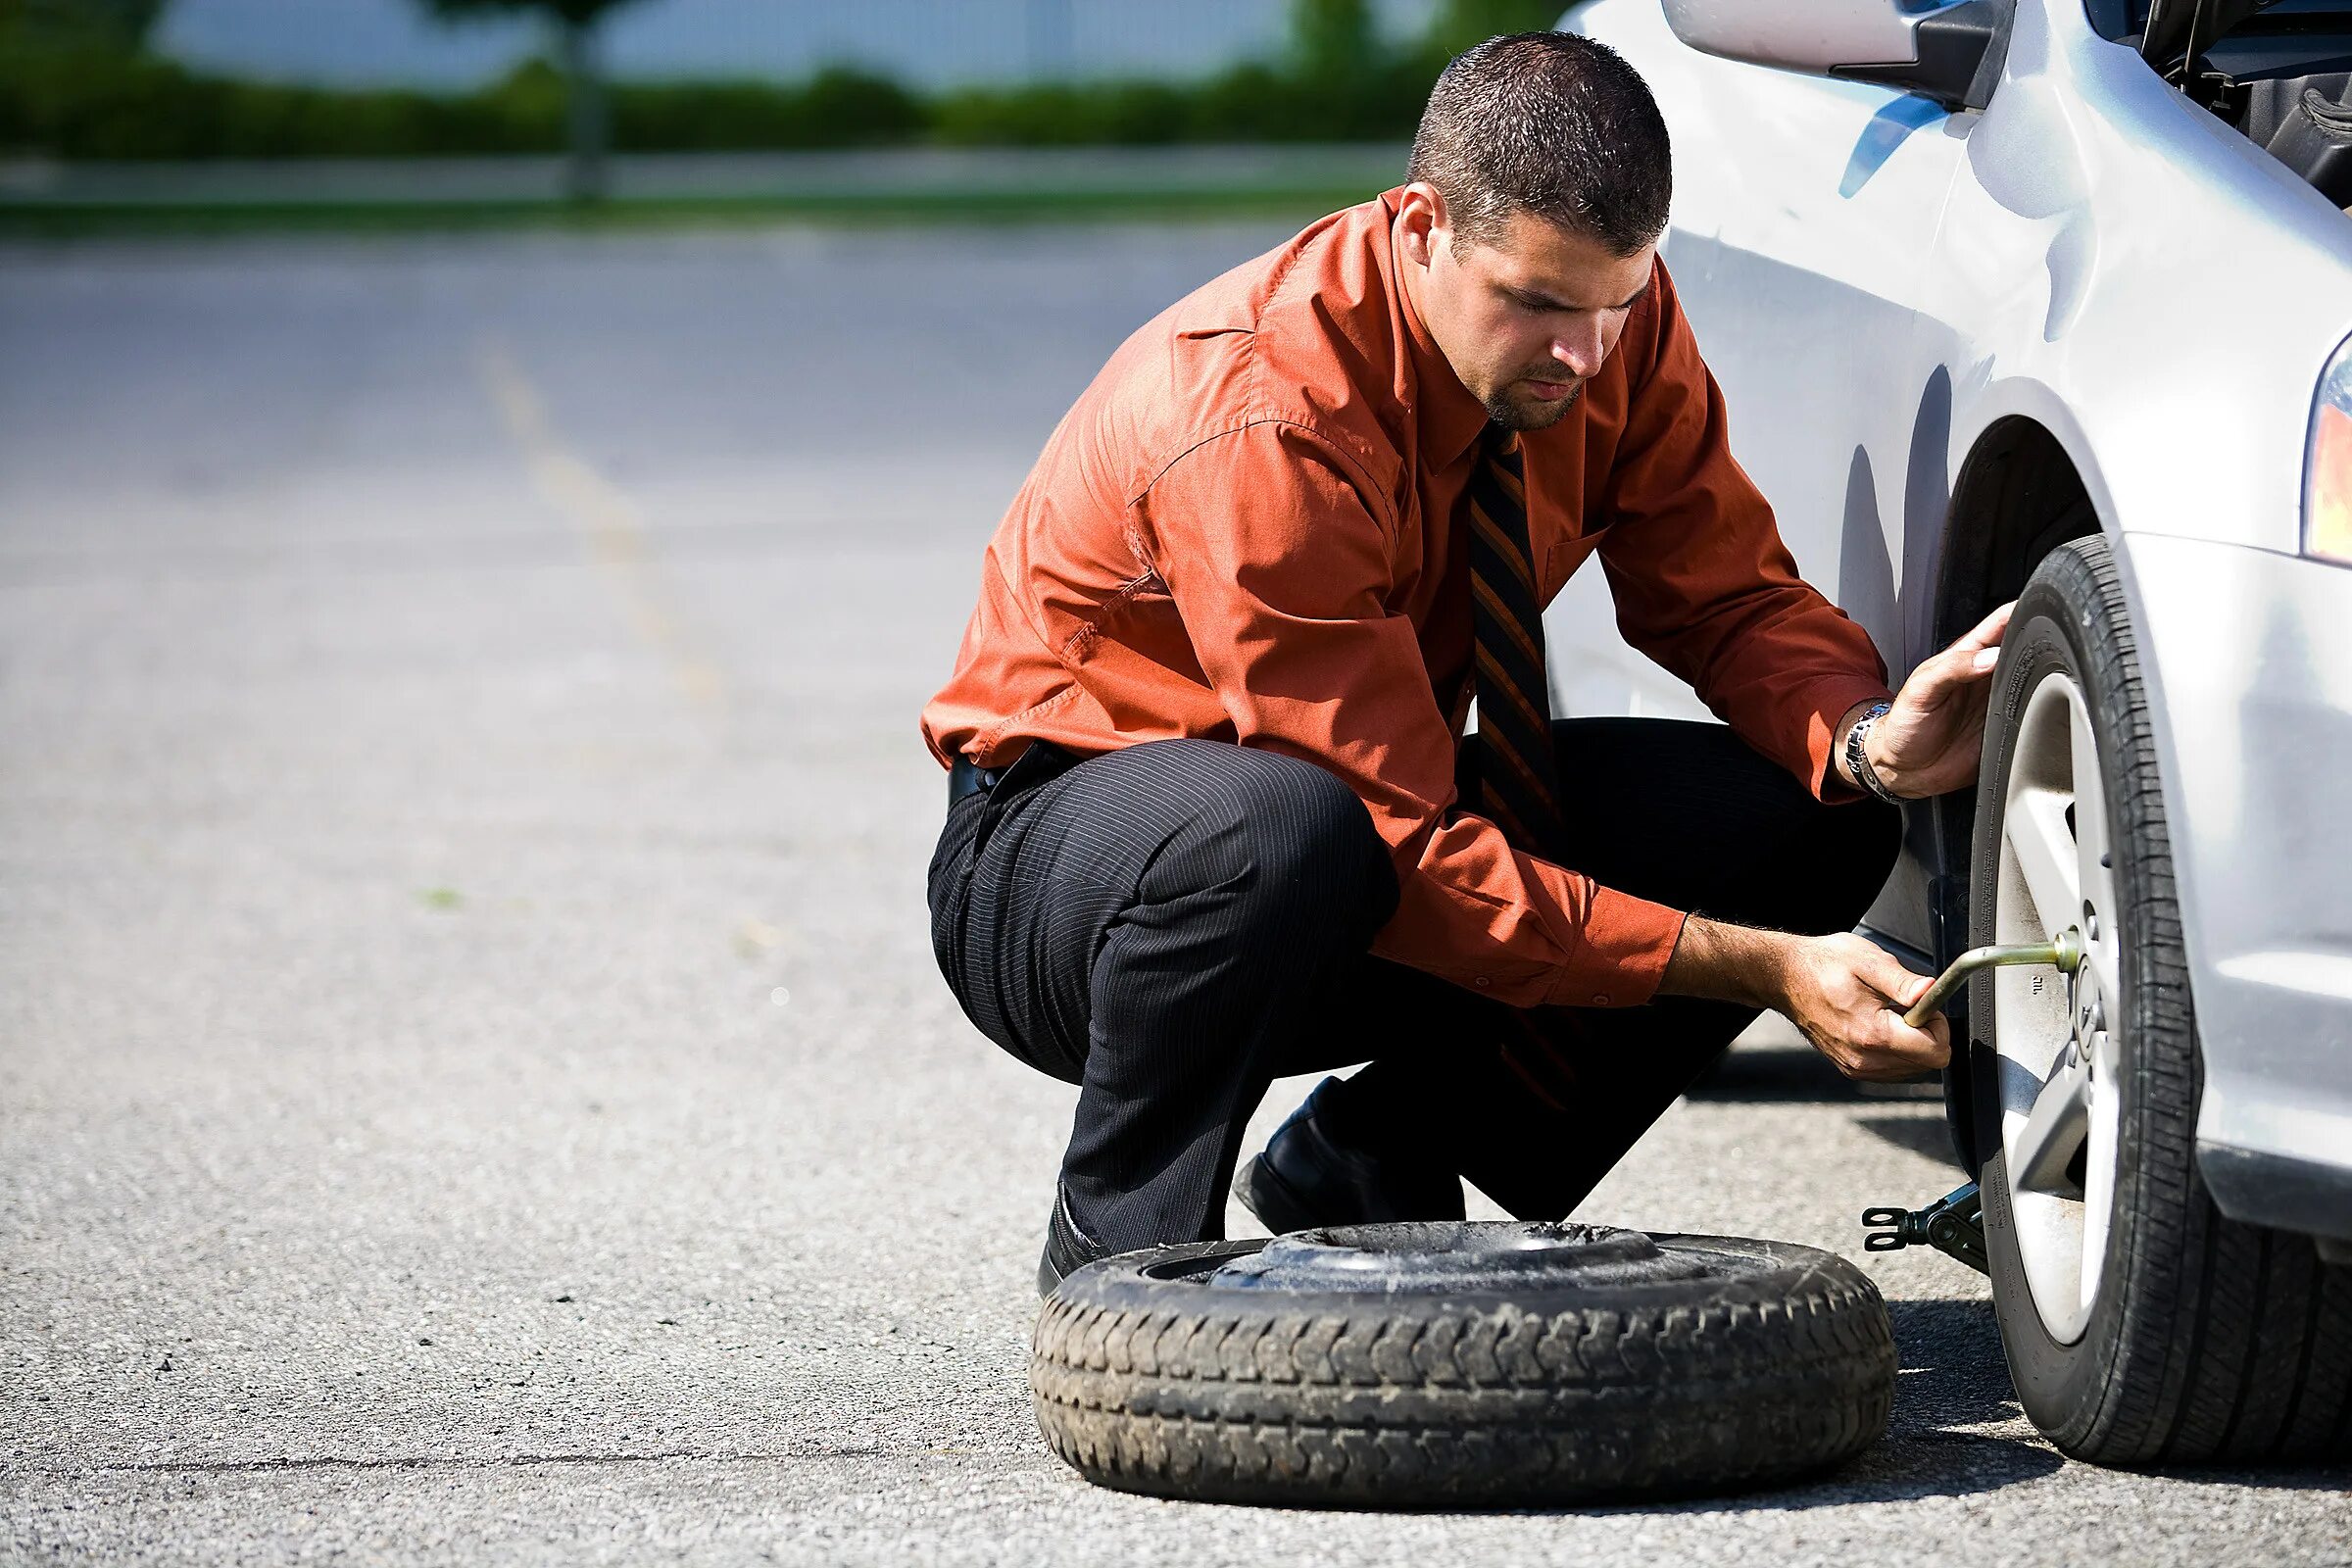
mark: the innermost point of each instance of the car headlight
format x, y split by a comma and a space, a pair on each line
2328, 465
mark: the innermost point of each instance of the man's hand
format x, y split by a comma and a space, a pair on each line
1932, 739
1848, 995
1845, 994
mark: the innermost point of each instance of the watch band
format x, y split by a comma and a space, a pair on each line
1857, 755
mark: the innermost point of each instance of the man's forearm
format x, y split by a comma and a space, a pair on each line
1844, 994
1727, 962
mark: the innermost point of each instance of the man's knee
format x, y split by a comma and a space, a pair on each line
1289, 843
1854, 846
1873, 832
1809, 867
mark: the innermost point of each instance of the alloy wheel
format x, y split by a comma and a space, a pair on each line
2059, 1036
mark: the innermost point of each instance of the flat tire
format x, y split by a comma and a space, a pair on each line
1462, 1364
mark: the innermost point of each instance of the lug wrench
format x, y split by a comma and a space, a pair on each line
1954, 1223
2064, 954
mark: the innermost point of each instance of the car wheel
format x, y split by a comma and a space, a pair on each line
2141, 1326
1450, 1362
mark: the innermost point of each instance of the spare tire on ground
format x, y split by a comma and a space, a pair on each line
1462, 1364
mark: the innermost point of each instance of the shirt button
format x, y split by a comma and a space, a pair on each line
1481, 982
1600, 999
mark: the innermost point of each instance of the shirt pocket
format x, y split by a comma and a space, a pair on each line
1565, 556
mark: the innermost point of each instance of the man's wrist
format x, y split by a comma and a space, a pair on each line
1863, 756
1840, 766
1875, 758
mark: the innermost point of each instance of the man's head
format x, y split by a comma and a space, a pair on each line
1540, 177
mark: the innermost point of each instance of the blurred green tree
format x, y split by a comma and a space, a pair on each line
77, 82
588, 115
1334, 40
52, 52
116, 26
1457, 24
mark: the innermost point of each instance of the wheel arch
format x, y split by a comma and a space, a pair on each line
2017, 496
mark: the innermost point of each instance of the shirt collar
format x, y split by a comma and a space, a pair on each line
1450, 419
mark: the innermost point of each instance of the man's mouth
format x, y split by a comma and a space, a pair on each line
1551, 391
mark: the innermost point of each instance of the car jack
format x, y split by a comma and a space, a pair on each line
1954, 1224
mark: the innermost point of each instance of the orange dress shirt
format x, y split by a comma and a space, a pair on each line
1250, 528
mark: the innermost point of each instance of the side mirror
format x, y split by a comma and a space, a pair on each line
1948, 50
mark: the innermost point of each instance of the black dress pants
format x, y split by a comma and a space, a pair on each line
1172, 926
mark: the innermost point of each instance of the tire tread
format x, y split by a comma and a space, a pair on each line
2229, 1344
1422, 1400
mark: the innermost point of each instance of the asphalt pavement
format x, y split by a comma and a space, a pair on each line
474, 1085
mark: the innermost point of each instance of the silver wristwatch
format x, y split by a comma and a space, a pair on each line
1857, 755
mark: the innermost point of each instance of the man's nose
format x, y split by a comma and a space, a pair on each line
1580, 347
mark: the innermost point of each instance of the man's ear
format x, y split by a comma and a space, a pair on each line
1420, 220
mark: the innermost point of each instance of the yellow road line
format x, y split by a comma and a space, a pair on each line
608, 519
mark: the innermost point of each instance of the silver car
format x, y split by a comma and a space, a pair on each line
2049, 300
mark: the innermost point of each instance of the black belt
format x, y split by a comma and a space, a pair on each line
963, 779
1038, 762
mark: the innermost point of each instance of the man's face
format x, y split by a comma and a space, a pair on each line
1526, 320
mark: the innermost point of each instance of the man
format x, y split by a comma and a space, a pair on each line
1212, 818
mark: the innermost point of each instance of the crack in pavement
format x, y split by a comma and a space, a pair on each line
454, 1462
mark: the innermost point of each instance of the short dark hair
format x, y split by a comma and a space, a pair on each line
1552, 124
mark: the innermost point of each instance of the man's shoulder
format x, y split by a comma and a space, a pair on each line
1653, 330
1305, 335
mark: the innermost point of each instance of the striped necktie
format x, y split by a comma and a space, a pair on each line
1519, 785
1518, 775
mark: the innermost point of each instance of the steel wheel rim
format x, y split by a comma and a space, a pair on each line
2059, 1037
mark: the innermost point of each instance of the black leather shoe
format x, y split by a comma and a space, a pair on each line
1310, 1177
1067, 1247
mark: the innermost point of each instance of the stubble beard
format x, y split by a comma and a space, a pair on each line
1527, 414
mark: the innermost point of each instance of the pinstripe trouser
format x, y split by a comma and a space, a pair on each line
1172, 926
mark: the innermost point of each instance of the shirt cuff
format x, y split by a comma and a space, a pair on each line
1627, 943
